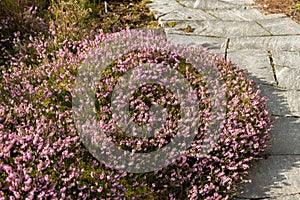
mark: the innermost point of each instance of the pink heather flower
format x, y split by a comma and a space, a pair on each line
46, 138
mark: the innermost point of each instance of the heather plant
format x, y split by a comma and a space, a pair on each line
43, 154
58, 21
19, 20
63, 20
71, 18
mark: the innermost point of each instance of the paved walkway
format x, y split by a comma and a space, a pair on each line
268, 46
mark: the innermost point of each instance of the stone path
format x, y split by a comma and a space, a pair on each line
268, 46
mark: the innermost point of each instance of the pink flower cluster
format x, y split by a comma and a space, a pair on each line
42, 156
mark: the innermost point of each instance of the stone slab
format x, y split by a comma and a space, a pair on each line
273, 177
240, 2
186, 14
208, 4
286, 58
288, 78
285, 136
219, 28
288, 197
244, 14
256, 62
281, 26
282, 102
212, 43
161, 7
273, 43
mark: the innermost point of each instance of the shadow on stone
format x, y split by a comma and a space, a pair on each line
277, 174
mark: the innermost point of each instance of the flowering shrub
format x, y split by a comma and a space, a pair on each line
42, 155
19, 20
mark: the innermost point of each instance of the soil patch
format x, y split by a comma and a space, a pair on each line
289, 7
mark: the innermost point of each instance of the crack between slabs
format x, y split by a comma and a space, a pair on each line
279, 87
180, 3
267, 36
264, 28
236, 7
287, 116
226, 48
208, 36
273, 66
211, 14
164, 14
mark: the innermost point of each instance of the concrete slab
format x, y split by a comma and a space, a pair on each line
219, 28
273, 178
273, 43
282, 102
288, 78
280, 26
285, 137
256, 62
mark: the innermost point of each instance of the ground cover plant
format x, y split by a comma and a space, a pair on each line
41, 153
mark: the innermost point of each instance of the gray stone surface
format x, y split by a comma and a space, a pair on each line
280, 26
288, 78
282, 102
214, 44
186, 14
219, 28
241, 14
286, 58
289, 197
285, 137
161, 7
273, 177
208, 4
239, 2
281, 197
256, 62
273, 43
